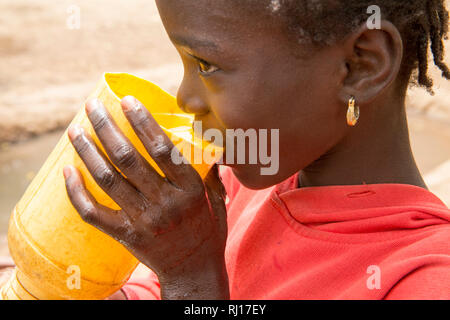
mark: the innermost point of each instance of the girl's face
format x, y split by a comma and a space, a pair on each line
242, 70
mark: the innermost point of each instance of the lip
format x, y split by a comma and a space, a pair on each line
206, 127
207, 124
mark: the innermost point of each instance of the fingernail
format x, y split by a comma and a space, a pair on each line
75, 131
67, 172
93, 104
130, 103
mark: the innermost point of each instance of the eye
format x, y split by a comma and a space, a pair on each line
206, 68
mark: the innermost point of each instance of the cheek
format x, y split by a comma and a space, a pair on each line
295, 104
315, 126
303, 107
247, 104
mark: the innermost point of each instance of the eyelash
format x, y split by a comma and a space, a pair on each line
202, 64
205, 65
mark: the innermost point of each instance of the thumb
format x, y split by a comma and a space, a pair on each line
214, 182
216, 195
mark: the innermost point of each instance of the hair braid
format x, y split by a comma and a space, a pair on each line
438, 22
423, 24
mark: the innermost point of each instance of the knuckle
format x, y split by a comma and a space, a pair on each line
156, 224
190, 201
141, 122
89, 214
161, 151
174, 214
105, 177
99, 121
81, 145
125, 156
129, 238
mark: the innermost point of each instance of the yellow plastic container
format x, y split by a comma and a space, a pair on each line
47, 239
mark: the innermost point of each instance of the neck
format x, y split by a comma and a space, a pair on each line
377, 150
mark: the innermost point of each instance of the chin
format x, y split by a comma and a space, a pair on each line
251, 178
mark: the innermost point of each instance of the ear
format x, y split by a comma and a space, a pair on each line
373, 60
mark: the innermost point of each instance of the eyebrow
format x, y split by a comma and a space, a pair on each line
195, 43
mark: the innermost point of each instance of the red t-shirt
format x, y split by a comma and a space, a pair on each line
375, 241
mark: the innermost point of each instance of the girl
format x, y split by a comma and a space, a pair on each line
346, 216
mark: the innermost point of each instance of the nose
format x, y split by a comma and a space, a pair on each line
190, 99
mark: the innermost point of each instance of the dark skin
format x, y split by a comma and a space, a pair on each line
175, 225
243, 71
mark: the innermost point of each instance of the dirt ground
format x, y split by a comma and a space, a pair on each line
47, 68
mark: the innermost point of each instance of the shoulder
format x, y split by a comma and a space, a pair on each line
427, 282
425, 266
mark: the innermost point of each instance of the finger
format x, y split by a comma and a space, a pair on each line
122, 153
214, 180
216, 197
104, 173
111, 222
157, 144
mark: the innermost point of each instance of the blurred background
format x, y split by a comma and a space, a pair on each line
52, 53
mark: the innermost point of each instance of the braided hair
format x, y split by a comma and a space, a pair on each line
422, 24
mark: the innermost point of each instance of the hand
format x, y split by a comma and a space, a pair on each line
174, 225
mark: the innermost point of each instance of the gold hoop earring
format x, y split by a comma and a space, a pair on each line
352, 112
